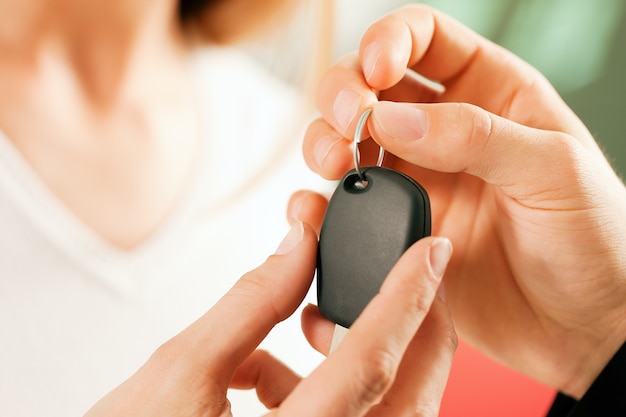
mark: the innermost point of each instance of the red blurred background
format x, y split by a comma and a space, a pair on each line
480, 387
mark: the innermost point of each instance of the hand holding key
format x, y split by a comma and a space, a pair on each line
373, 217
400, 349
535, 211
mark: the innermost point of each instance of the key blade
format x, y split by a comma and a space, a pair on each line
338, 335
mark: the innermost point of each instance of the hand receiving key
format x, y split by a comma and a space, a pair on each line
407, 363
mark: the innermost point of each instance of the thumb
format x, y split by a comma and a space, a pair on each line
218, 342
460, 137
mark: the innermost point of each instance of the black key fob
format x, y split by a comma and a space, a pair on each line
374, 215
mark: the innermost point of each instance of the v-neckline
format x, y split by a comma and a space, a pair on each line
70, 234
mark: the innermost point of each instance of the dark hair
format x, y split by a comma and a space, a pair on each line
226, 21
188, 9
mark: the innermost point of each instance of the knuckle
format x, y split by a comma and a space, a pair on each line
565, 144
446, 332
481, 126
472, 129
450, 338
423, 293
166, 361
254, 287
566, 154
418, 306
569, 158
376, 375
344, 69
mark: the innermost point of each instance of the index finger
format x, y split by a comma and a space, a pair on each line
472, 68
417, 37
219, 341
360, 372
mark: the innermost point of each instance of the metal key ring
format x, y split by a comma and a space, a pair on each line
357, 139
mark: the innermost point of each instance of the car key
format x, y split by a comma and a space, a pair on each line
373, 217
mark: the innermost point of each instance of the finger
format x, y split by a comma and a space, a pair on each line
458, 137
413, 87
423, 372
357, 375
272, 379
307, 207
226, 335
417, 37
343, 94
317, 329
396, 42
425, 367
472, 68
327, 153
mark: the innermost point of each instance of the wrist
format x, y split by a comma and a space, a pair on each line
605, 397
598, 356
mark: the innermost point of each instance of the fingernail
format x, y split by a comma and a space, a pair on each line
345, 108
291, 240
295, 209
440, 253
323, 147
370, 59
401, 120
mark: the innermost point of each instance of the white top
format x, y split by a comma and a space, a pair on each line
78, 316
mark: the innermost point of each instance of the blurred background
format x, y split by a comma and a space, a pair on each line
580, 46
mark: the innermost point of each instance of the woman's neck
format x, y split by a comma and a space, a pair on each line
105, 46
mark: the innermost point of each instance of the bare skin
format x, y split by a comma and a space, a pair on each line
378, 370
533, 208
96, 98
